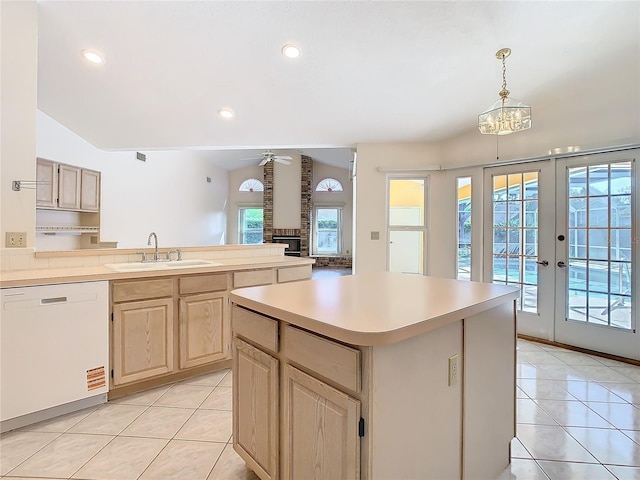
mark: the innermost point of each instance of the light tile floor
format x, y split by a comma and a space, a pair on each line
578, 417
180, 431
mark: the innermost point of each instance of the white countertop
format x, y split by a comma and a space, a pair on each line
21, 278
373, 308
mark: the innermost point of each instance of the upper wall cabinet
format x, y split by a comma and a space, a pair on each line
66, 187
89, 190
47, 183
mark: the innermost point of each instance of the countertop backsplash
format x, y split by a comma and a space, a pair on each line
13, 259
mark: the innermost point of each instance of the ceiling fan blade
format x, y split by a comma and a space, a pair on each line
263, 162
282, 160
284, 157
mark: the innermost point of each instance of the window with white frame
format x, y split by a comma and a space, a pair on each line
327, 230
329, 185
464, 228
251, 185
250, 223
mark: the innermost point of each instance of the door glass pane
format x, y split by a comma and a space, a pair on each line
598, 211
599, 247
463, 189
515, 235
499, 268
598, 180
531, 242
531, 213
406, 202
515, 187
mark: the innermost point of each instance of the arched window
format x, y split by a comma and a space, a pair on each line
251, 185
329, 185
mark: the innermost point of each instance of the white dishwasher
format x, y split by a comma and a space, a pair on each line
54, 350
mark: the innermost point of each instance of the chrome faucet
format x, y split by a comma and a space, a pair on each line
155, 253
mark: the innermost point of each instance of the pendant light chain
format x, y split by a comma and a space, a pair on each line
504, 72
504, 93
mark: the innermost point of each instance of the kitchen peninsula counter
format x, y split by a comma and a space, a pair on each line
424, 365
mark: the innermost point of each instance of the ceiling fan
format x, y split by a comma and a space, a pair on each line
266, 157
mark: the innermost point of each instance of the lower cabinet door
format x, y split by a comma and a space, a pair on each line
142, 340
320, 430
203, 329
255, 409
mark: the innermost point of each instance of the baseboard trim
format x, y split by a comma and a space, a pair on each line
630, 361
49, 413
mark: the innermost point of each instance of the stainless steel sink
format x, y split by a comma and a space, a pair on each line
151, 266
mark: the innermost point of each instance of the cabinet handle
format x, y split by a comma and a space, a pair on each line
45, 301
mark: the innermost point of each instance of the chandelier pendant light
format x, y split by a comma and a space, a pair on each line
506, 115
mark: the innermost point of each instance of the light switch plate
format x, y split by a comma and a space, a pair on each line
375, 235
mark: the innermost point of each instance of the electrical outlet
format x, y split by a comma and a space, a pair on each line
453, 369
16, 239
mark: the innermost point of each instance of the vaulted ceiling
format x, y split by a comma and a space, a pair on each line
370, 72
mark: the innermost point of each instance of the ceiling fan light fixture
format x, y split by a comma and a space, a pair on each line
226, 113
291, 51
506, 115
92, 56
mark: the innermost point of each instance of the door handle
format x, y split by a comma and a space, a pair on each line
544, 263
561, 265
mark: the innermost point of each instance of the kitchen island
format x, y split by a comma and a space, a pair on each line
374, 376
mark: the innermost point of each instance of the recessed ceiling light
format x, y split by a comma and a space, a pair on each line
92, 56
291, 51
226, 113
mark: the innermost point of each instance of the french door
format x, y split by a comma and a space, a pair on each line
564, 231
518, 246
596, 253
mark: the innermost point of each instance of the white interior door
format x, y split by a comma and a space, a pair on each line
597, 254
406, 230
518, 245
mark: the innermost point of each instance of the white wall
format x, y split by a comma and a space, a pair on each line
371, 201
237, 199
168, 194
18, 86
561, 122
344, 198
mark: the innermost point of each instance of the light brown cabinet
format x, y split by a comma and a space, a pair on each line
90, 190
67, 201
142, 339
47, 183
142, 329
204, 333
319, 418
66, 187
252, 278
255, 409
202, 329
319, 429
170, 328
69, 184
